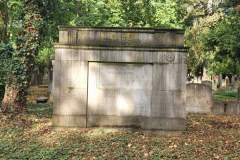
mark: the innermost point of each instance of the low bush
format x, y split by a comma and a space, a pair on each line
225, 94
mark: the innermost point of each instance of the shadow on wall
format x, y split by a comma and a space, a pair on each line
70, 93
220, 107
118, 94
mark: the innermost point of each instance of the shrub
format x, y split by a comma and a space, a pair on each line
6, 51
225, 94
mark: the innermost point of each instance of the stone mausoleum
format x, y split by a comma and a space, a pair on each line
120, 77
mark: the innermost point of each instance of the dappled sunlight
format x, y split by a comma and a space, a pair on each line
118, 89
125, 105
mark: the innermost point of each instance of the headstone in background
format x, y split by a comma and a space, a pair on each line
45, 76
51, 82
199, 98
236, 84
214, 82
227, 82
205, 77
197, 79
219, 80
208, 83
233, 79
37, 78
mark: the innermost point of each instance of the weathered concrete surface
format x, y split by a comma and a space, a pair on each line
199, 98
208, 83
138, 37
120, 77
220, 107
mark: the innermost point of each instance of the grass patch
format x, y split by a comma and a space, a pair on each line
225, 94
30, 136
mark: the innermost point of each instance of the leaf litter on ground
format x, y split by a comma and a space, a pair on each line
30, 136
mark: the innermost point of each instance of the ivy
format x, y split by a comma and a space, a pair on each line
27, 45
6, 51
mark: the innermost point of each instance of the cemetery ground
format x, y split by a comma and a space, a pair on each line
30, 136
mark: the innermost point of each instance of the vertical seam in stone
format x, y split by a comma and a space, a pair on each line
87, 94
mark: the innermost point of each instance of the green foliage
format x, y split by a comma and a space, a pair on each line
199, 17
167, 14
43, 59
212, 35
225, 94
97, 13
128, 13
6, 52
224, 41
218, 64
223, 98
33, 19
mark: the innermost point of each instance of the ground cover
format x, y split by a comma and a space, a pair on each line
224, 94
30, 136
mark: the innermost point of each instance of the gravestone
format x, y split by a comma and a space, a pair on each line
50, 82
36, 77
220, 80
120, 77
227, 82
236, 83
214, 82
205, 77
208, 83
46, 76
199, 98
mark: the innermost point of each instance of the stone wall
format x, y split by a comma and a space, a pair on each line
220, 107
199, 98
120, 77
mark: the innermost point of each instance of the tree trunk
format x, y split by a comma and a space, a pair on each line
23, 60
13, 100
5, 21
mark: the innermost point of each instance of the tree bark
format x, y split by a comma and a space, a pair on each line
27, 47
13, 99
5, 19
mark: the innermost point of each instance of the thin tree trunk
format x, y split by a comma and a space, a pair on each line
5, 19
79, 8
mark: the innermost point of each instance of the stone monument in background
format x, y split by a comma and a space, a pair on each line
120, 77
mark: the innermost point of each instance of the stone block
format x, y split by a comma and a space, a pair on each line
74, 74
57, 75
121, 37
199, 98
158, 123
119, 89
169, 77
113, 121
168, 104
71, 102
120, 77
58, 53
68, 37
68, 121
